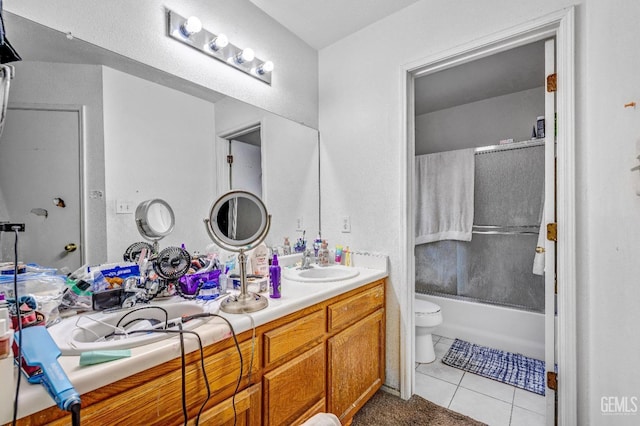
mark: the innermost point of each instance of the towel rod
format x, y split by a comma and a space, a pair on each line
505, 229
504, 232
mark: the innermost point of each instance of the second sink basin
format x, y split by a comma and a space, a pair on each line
321, 274
124, 329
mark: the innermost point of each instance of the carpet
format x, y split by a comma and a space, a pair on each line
384, 409
514, 369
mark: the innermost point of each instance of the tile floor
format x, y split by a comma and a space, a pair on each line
483, 399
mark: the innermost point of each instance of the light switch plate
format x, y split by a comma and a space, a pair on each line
346, 224
124, 207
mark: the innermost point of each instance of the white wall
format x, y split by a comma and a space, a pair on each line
480, 123
608, 229
159, 143
360, 113
290, 178
63, 84
608, 209
137, 29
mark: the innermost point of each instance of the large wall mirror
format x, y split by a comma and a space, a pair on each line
91, 134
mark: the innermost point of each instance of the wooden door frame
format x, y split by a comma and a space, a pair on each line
559, 24
80, 111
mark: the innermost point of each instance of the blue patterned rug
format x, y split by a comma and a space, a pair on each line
514, 369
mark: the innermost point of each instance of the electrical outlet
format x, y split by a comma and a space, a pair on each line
124, 207
299, 224
346, 224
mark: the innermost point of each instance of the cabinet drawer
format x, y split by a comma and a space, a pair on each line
352, 309
286, 340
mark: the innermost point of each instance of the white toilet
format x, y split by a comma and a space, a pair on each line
428, 317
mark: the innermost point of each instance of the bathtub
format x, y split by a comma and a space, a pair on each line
498, 327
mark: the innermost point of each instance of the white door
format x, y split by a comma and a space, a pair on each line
549, 218
40, 185
246, 169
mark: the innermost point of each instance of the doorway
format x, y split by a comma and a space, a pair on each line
244, 159
560, 27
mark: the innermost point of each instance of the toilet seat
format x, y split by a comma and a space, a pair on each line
427, 314
424, 307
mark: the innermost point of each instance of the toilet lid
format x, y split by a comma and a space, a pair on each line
426, 307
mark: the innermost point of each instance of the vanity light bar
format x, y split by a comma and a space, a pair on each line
190, 32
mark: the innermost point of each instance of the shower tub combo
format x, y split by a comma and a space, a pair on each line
485, 287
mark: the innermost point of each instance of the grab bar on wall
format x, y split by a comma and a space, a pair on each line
506, 229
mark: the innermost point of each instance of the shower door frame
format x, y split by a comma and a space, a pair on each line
558, 25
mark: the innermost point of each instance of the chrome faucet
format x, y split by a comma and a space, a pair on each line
306, 260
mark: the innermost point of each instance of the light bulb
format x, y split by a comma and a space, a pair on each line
220, 42
191, 26
265, 68
247, 55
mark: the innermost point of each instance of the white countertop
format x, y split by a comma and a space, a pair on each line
295, 296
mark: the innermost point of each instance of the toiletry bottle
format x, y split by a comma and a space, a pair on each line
274, 278
316, 246
7, 368
338, 257
287, 246
6, 334
540, 127
260, 261
324, 254
222, 281
347, 257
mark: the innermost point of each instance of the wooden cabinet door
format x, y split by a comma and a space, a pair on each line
244, 411
293, 390
356, 365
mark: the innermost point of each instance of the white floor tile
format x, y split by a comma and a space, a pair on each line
522, 417
446, 341
441, 371
489, 387
441, 349
529, 400
435, 390
481, 407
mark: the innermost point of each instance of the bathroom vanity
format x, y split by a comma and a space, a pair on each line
321, 348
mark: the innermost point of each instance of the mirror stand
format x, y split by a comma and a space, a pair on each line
245, 301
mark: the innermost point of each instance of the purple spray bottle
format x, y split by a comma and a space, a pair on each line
274, 278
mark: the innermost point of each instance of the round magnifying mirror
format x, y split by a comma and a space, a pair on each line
238, 219
155, 219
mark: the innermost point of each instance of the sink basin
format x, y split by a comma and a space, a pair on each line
321, 274
117, 330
